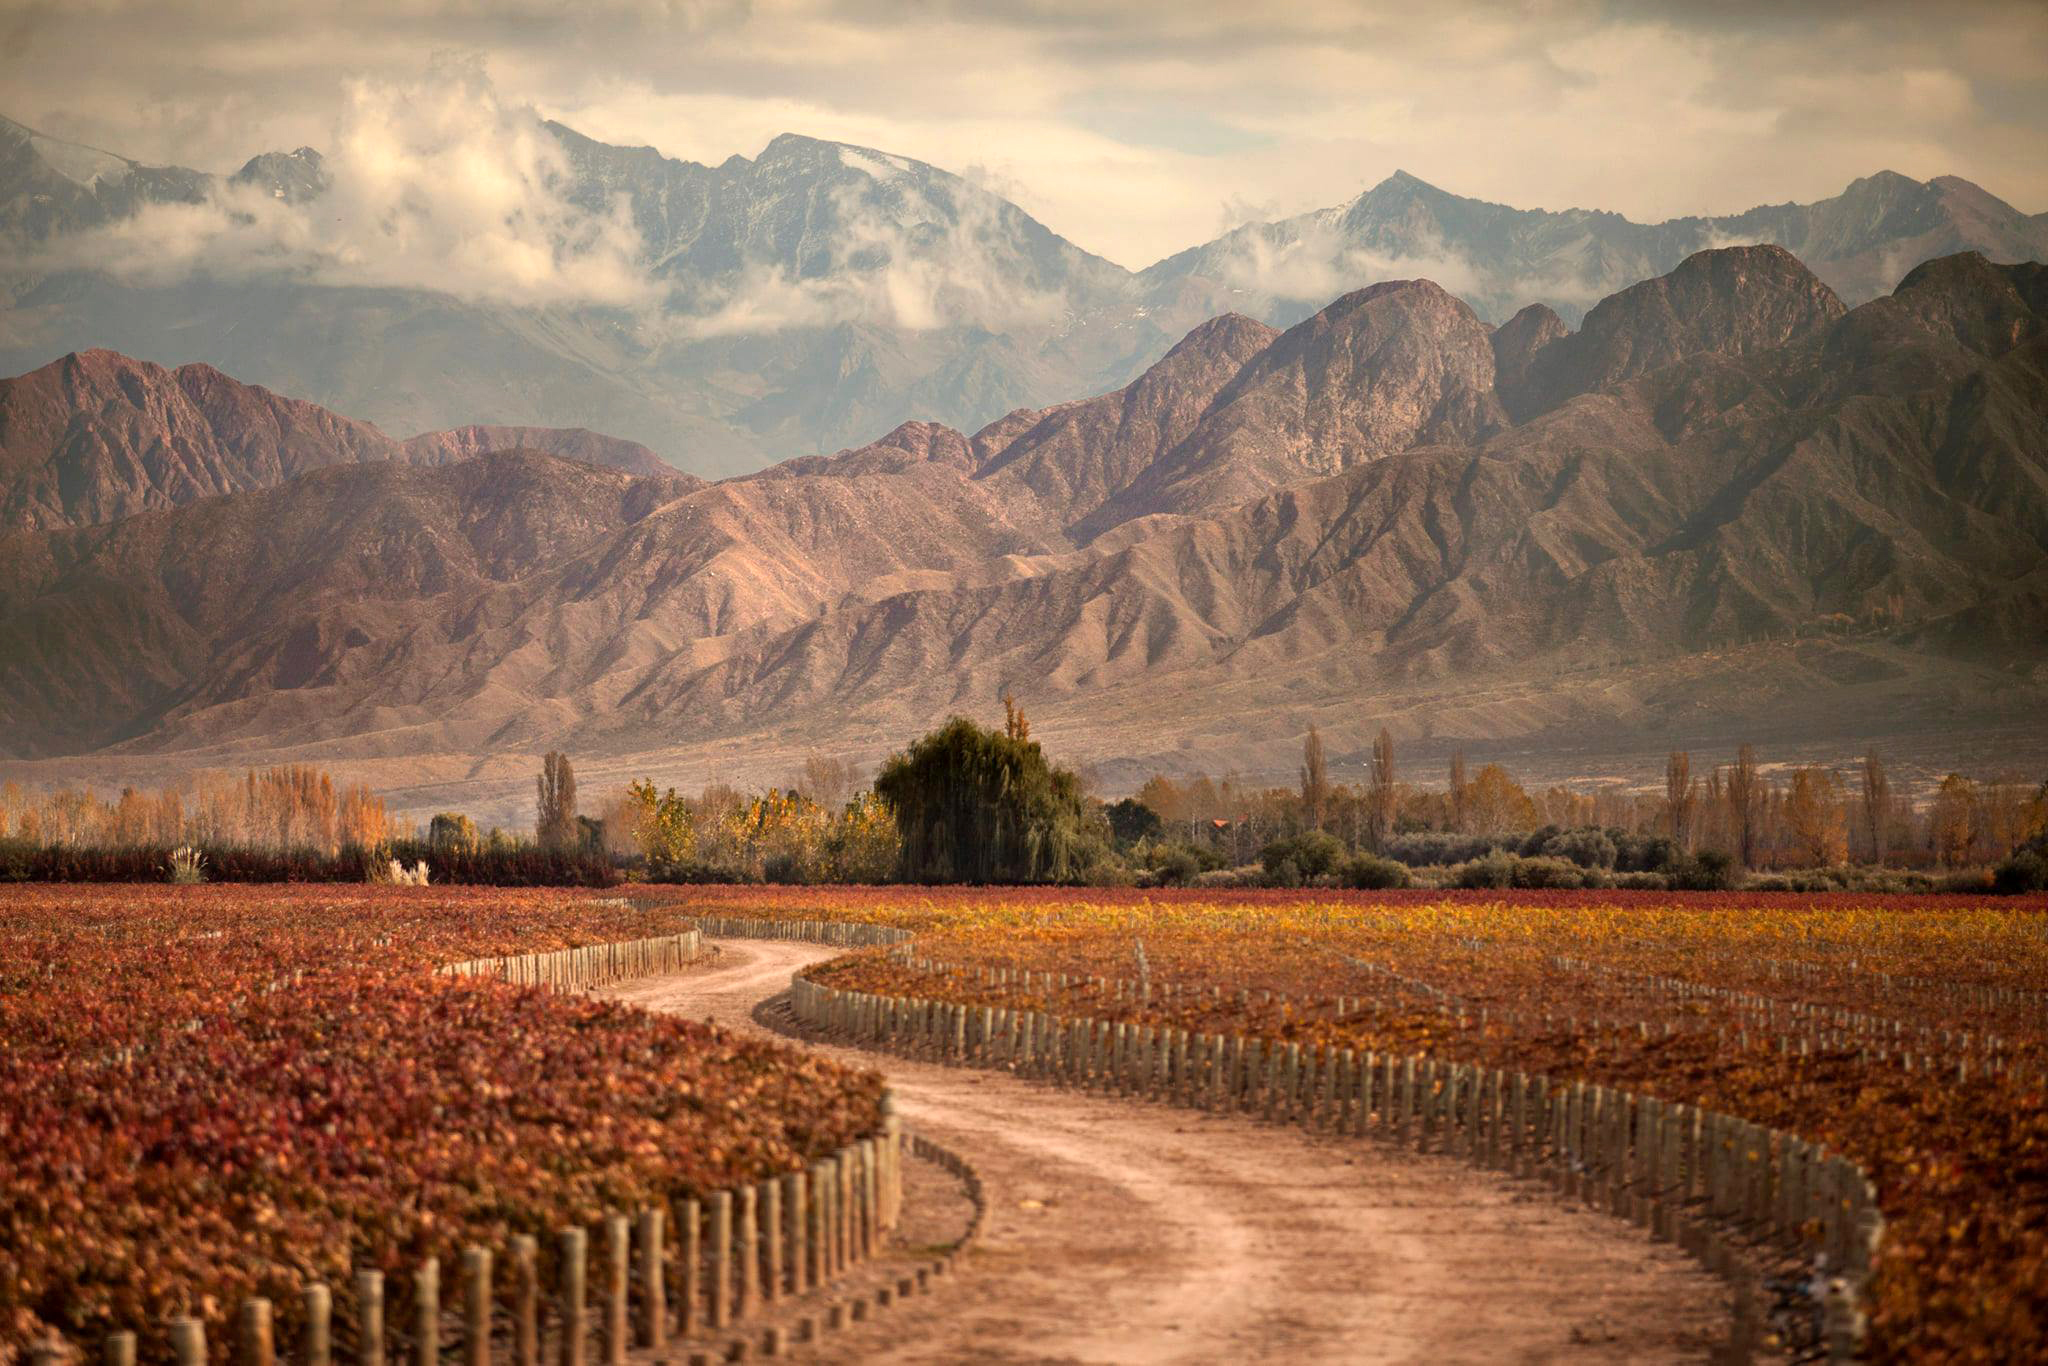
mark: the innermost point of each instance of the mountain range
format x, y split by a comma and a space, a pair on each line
1728, 505
806, 298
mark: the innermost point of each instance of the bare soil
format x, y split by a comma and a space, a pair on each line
1120, 1231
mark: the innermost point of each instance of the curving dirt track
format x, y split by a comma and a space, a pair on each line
1125, 1232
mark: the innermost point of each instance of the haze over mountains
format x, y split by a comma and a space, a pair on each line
1728, 503
803, 299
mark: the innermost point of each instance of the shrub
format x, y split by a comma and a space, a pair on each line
1495, 871
1250, 875
1588, 846
1313, 853
1284, 873
1436, 846
1645, 853
186, 865
2024, 870
1641, 882
1710, 870
1545, 872
1178, 867
510, 865
1372, 873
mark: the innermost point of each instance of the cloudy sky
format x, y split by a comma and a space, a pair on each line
1134, 129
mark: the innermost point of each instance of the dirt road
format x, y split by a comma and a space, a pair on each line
1125, 1232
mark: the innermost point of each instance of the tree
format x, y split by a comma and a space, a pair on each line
829, 782
454, 833
662, 828
1877, 805
555, 820
1315, 780
1680, 798
1130, 820
863, 844
1381, 800
1745, 805
1495, 804
1952, 823
1457, 792
1814, 815
973, 805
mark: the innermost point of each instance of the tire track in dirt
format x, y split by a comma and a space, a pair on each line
1121, 1231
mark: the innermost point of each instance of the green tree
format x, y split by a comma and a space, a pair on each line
975, 805
452, 832
1130, 820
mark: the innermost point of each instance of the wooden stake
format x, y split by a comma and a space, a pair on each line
258, 1348
476, 1306
316, 1341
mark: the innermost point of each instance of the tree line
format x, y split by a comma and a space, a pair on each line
966, 803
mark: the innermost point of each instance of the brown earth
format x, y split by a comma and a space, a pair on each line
1124, 1232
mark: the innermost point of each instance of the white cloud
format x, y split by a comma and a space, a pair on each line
437, 185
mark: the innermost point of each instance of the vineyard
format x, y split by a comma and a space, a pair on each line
215, 1093
1909, 1035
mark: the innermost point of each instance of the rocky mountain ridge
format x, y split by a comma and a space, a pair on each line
805, 298
98, 436
1727, 501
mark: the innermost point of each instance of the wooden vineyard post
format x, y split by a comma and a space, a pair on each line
794, 1186
691, 1255
721, 1259
258, 1347
771, 1237
476, 1306
525, 1300
188, 1341
748, 1253
426, 1302
870, 1226
618, 1268
821, 1196
118, 1350
573, 1245
370, 1317
848, 1207
316, 1341
653, 1289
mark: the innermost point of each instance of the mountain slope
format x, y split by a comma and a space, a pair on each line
1501, 259
97, 436
1766, 507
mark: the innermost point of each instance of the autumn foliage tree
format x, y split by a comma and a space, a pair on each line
1816, 818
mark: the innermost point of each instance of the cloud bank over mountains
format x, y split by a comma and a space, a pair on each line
1122, 125
444, 255
437, 185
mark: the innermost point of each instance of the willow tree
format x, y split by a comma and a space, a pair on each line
976, 805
